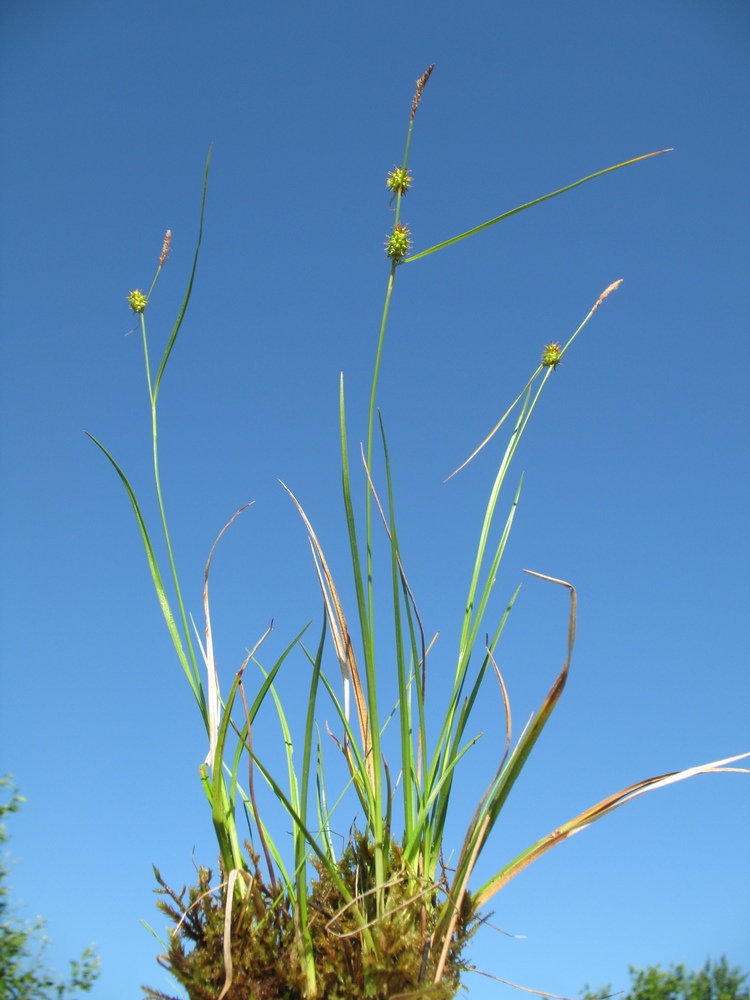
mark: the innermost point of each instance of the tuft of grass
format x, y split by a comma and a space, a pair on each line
386, 919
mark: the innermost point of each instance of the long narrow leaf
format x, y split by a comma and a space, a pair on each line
607, 291
408, 763
589, 816
351, 526
495, 798
213, 697
530, 204
320, 854
186, 300
342, 641
193, 679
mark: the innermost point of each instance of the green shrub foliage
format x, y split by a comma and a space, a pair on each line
715, 981
23, 974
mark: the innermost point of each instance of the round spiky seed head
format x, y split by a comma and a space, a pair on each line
137, 300
398, 243
551, 355
399, 180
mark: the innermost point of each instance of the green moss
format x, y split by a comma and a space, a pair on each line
264, 945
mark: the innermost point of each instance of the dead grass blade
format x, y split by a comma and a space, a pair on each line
528, 989
213, 697
341, 638
251, 786
233, 875
596, 812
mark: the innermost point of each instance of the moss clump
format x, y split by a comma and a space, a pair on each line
262, 936
265, 948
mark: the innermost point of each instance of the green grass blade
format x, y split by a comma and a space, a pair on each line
497, 795
464, 714
497, 426
164, 946
288, 884
526, 744
223, 804
324, 816
465, 648
189, 668
351, 526
299, 803
408, 763
222, 808
310, 721
186, 300
411, 846
359, 771
441, 755
271, 675
289, 750
329, 866
478, 618
529, 204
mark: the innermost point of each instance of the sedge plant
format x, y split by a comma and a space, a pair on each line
385, 917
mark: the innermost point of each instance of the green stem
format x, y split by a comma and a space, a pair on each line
163, 516
403, 166
371, 418
377, 818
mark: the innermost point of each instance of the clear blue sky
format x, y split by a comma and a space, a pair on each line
636, 468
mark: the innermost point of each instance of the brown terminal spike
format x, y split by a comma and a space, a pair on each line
606, 292
420, 87
165, 247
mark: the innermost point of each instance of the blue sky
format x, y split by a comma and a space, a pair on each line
636, 466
